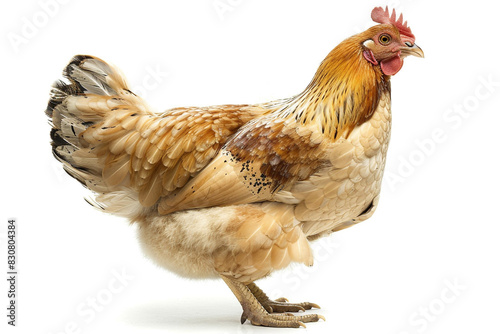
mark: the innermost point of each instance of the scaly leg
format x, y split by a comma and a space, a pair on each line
257, 314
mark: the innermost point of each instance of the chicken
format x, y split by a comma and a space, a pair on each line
237, 191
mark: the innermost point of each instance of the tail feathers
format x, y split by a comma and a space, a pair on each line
88, 76
92, 90
94, 76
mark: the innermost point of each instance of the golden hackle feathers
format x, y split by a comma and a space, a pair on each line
344, 92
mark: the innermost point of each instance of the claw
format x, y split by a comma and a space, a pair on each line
302, 324
314, 305
321, 317
243, 318
282, 300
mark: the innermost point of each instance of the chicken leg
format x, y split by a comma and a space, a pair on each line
258, 308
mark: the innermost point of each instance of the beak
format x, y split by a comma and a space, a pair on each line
413, 50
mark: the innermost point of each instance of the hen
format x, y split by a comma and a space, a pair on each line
237, 191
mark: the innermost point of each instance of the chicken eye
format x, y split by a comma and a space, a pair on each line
384, 39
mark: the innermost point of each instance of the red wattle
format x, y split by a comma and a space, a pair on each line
391, 66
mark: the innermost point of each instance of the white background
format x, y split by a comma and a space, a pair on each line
437, 224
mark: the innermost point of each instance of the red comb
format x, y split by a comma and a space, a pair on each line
382, 16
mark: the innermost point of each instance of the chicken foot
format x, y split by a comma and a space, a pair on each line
254, 311
279, 305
